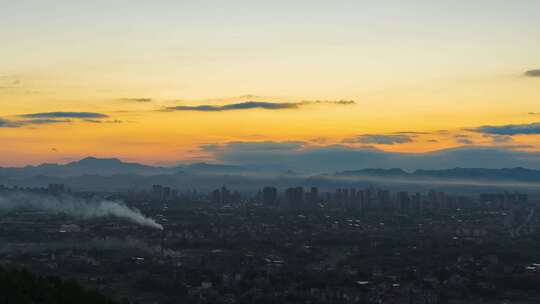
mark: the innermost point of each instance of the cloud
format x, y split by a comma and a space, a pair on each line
42, 121
319, 140
336, 102
533, 73
517, 129
9, 82
497, 139
247, 105
5, 123
411, 133
266, 145
143, 99
464, 141
83, 115
103, 121
332, 158
261, 146
210, 148
380, 139
237, 106
47, 118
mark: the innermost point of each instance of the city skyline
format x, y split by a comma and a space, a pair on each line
175, 82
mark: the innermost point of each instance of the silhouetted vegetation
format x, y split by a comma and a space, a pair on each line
23, 287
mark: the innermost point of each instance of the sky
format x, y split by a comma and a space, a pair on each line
166, 82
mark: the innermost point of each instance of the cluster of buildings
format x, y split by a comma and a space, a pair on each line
504, 200
294, 245
51, 189
380, 199
225, 196
163, 193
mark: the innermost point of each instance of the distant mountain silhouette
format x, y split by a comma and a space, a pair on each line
112, 166
113, 174
89, 165
510, 174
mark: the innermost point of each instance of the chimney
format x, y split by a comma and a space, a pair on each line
163, 243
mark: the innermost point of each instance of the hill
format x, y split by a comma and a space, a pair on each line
23, 287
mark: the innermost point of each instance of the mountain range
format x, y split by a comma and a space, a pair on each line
109, 167
113, 174
507, 174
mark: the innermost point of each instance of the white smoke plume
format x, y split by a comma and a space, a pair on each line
75, 207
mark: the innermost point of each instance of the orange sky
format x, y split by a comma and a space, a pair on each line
423, 68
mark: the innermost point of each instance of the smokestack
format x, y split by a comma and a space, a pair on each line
163, 243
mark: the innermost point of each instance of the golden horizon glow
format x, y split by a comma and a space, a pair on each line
423, 68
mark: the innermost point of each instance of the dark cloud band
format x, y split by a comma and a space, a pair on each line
5, 123
380, 139
255, 105
518, 129
65, 115
136, 99
236, 106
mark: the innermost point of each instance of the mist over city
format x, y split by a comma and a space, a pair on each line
242, 152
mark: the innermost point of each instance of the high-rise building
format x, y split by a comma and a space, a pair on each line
157, 192
383, 197
166, 195
235, 197
295, 196
403, 200
269, 195
313, 195
215, 196
416, 201
368, 198
225, 195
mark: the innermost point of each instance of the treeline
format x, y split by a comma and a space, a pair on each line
19, 286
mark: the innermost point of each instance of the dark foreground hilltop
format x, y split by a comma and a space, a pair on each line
23, 287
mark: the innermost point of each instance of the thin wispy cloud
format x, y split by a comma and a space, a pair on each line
237, 106
140, 100
6, 123
48, 118
43, 121
411, 133
497, 139
248, 105
9, 82
261, 146
336, 102
380, 139
210, 147
96, 121
464, 141
81, 115
533, 73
